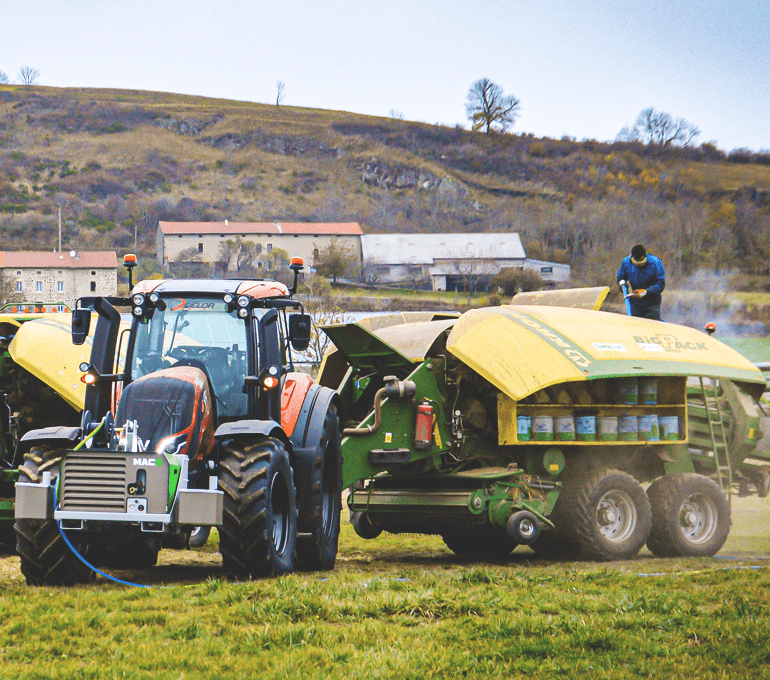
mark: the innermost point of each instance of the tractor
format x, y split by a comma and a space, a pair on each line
194, 416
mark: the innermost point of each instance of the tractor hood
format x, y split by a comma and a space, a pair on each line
522, 349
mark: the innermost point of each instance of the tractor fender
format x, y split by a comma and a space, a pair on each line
58, 437
246, 429
306, 436
310, 422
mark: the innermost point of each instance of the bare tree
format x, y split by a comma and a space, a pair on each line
659, 127
7, 289
335, 262
28, 75
4, 78
488, 108
280, 92
396, 115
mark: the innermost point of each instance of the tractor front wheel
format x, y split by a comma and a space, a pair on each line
690, 516
258, 536
46, 560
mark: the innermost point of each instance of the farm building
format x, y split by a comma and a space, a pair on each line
449, 261
59, 278
212, 242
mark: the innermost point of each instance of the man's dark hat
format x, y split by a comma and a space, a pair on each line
638, 255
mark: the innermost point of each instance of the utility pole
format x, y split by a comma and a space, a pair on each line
59, 229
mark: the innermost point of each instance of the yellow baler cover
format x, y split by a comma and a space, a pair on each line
522, 349
43, 346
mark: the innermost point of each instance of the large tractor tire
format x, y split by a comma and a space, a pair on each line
483, 548
258, 536
46, 560
690, 516
609, 517
319, 514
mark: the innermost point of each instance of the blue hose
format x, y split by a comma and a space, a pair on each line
83, 559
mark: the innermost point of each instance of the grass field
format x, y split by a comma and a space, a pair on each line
405, 607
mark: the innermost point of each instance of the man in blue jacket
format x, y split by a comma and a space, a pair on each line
646, 280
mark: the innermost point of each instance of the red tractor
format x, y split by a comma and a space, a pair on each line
195, 417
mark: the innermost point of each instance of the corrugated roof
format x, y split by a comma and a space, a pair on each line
341, 228
427, 248
26, 259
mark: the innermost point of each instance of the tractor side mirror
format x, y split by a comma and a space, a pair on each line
299, 331
81, 324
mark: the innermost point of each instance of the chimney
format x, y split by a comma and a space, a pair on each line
226, 222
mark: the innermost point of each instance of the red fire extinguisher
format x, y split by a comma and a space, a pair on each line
423, 426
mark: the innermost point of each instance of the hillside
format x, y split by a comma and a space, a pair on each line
118, 161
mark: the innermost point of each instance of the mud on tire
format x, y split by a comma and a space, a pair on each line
46, 560
690, 516
258, 535
319, 514
610, 517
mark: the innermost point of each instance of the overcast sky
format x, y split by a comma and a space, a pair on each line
580, 68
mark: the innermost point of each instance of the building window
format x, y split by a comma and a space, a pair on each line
38, 286
546, 270
269, 247
200, 247
93, 273
93, 286
39, 272
60, 286
19, 287
18, 273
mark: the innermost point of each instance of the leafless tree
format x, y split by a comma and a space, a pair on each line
489, 108
28, 75
7, 289
397, 115
659, 127
280, 92
4, 78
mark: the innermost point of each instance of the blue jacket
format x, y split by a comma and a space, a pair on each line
650, 276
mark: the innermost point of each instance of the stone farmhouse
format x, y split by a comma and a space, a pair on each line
59, 278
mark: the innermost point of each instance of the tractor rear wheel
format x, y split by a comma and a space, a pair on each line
609, 517
319, 514
258, 536
46, 560
480, 547
690, 516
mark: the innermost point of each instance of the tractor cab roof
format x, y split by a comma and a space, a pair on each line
255, 288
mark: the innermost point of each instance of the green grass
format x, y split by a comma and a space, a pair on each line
404, 607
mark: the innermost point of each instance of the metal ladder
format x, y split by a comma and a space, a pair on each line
724, 471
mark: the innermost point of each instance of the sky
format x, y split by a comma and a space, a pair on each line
582, 69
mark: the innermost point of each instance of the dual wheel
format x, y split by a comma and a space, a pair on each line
606, 515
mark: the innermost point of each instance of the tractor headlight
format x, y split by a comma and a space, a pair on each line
137, 311
229, 299
154, 298
243, 312
244, 301
138, 299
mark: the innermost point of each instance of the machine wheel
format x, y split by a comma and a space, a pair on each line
610, 515
481, 548
319, 516
199, 536
523, 527
690, 516
258, 536
46, 560
363, 526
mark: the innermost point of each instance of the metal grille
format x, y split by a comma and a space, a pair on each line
94, 481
